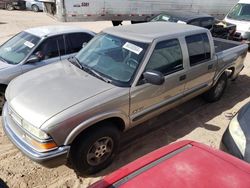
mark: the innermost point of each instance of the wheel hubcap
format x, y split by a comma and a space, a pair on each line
100, 151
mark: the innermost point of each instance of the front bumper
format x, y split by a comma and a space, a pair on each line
49, 159
230, 145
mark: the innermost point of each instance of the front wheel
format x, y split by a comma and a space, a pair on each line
95, 150
216, 92
35, 8
9, 7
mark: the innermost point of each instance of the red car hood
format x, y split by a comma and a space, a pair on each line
183, 164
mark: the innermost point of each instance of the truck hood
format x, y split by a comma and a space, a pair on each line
242, 26
4, 65
41, 94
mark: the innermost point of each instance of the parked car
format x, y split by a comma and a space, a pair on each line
182, 164
123, 77
12, 4
240, 16
218, 28
237, 136
37, 47
34, 5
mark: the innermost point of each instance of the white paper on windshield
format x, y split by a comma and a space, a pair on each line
165, 18
133, 48
181, 22
29, 44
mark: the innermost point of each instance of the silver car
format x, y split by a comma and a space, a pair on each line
37, 47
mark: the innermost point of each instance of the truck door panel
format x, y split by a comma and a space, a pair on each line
202, 64
147, 99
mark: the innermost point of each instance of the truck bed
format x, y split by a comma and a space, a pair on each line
222, 44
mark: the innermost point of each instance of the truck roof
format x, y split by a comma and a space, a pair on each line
147, 32
44, 31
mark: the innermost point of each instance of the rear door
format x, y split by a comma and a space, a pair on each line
201, 63
148, 100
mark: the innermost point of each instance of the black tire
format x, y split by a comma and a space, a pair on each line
90, 147
216, 92
35, 8
9, 7
2, 99
116, 23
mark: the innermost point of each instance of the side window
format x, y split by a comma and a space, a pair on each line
207, 23
198, 48
166, 58
76, 40
51, 47
195, 22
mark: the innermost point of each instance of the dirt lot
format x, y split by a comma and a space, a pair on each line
194, 120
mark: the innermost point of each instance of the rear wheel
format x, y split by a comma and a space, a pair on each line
116, 23
9, 7
94, 150
2, 99
35, 8
216, 92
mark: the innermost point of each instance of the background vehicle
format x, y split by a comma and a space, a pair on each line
237, 136
37, 47
182, 164
34, 5
218, 28
12, 4
121, 78
134, 10
240, 16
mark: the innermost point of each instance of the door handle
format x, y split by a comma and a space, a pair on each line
210, 67
183, 77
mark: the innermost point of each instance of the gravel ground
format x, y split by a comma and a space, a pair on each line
194, 120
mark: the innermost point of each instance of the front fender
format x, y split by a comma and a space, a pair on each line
92, 121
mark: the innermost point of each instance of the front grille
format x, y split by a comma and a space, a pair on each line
15, 117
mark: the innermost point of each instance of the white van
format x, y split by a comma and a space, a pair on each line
240, 16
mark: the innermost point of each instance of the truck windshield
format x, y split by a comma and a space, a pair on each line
18, 47
112, 57
240, 12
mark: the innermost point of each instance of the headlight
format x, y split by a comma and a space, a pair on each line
38, 139
237, 134
35, 131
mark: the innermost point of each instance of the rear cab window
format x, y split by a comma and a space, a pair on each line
198, 48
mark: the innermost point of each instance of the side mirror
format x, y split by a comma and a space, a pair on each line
84, 44
33, 59
154, 77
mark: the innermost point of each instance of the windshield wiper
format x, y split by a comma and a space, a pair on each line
4, 60
96, 74
75, 62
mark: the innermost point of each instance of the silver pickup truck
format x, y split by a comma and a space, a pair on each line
75, 110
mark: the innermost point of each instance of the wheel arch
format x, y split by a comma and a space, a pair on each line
85, 127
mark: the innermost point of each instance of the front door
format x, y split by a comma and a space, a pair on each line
49, 51
149, 100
